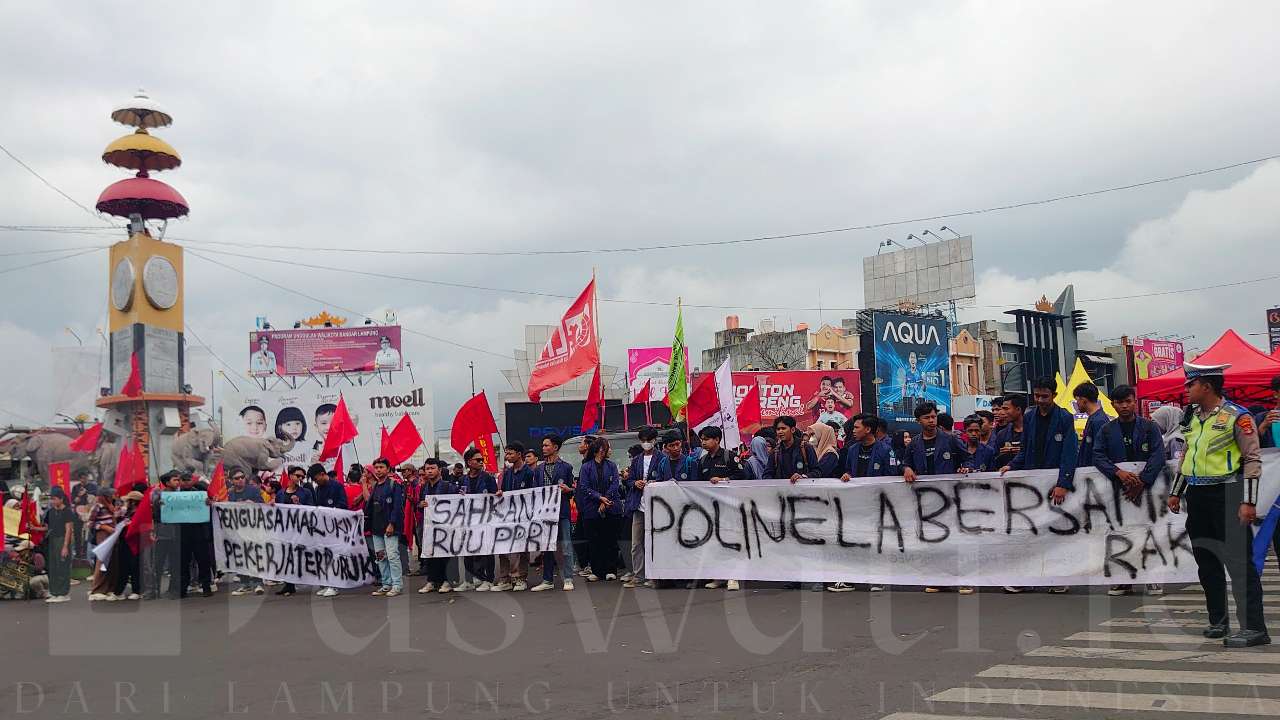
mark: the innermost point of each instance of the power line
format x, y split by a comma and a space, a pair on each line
46, 251
50, 260
347, 310
209, 347
53, 187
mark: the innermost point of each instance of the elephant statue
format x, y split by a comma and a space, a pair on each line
104, 460
197, 451
43, 448
254, 454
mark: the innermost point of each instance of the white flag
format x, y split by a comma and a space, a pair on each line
726, 418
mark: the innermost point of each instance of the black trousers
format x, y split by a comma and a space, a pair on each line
602, 534
194, 549
1223, 547
437, 569
128, 562
480, 567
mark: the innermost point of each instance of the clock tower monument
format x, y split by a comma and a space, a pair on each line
145, 293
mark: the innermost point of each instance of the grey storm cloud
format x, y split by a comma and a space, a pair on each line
449, 126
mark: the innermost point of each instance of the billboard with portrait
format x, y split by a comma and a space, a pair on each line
912, 364
304, 415
307, 351
807, 395
1153, 358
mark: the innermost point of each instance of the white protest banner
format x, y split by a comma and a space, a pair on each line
292, 543
102, 551
517, 521
979, 529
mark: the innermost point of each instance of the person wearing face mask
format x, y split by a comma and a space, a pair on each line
823, 440
642, 471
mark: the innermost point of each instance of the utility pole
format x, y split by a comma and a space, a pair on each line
472, 365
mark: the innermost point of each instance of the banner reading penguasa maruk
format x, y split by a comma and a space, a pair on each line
515, 522
980, 530
292, 543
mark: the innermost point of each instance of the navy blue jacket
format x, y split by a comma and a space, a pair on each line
636, 472
981, 460
1108, 449
948, 454
597, 480
554, 474
521, 479
1060, 445
998, 440
330, 495
1092, 426
302, 492
801, 458
480, 484
441, 487
881, 463
390, 496
683, 470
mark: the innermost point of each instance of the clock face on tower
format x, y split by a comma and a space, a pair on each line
122, 281
160, 282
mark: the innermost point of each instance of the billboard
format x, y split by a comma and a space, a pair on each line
1273, 328
912, 364
306, 351
652, 364
807, 395
935, 273
304, 414
1153, 358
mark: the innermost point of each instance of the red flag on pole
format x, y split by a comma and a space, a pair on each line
60, 476
642, 395
28, 518
133, 386
591, 411
749, 417
130, 467
572, 349
384, 446
218, 484
140, 526
403, 441
703, 401
474, 425
341, 431
88, 440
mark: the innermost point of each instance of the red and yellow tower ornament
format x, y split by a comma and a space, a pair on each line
145, 286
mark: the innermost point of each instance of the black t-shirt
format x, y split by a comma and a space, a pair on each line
1126, 432
864, 459
929, 445
57, 521
1042, 439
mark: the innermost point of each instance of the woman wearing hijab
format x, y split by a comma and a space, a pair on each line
757, 464
1169, 419
823, 439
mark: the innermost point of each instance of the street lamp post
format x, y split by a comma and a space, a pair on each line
1005, 371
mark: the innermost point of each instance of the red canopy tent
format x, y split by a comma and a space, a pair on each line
1247, 380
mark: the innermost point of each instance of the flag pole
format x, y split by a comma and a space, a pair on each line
595, 317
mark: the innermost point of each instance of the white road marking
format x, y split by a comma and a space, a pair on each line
1179, 609
931, 716
1151, 638
1131, 675
1145, 655
1183, 622
1110, 701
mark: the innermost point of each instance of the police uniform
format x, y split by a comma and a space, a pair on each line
1219, 472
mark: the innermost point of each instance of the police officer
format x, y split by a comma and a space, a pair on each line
1219, 478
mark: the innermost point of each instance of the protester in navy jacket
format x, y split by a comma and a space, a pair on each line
642, 471
554, 472
476, 481
599, 499
293, 493
434, 484
328, 494
1086, 396
384, 519
1129, 438
793, 458
1048, 439
932, 451
979, 456
866, 456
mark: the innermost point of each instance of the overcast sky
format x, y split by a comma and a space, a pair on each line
465, 126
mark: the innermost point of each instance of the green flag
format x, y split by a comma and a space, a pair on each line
678, 375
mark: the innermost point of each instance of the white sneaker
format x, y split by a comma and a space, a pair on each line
134, 596
878, 588
331, 592
544, 585
584, 572
840, 587
445, 587
714, 585
732, 585
1060, 590
393, 592
243, 591
610, 576
568, 585
319, 592
485, 586
112, 597
502, 587
1118, 590
464, 587
593, 578
429, 587
651, 584
1012, 590
63, 598
258, 590
51, 599
628, 577
520, 586
1155, 589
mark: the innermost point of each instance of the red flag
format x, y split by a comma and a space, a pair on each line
572, 349
341, 431
28, 517
404, 440
60, 476
384, 446
130, 467
591, 411
643, 395
484, 444
703, 402
474, 420
133, 386
140, 526
88, 440
218, 483
749, 409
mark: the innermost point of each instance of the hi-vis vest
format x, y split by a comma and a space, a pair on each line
1212, 455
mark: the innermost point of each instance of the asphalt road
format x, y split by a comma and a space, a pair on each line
602, 651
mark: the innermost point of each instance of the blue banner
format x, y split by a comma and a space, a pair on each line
913, 364
184, 506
